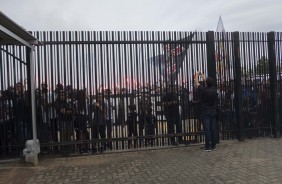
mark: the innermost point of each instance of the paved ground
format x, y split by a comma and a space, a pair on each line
253, 161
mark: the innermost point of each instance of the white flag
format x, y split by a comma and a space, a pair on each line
222, 66
220, 27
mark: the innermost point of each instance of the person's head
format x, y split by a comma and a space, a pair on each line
123, 91
132, 107
19, 87
107, 92
44, 87
99, 97
210, 82
59, 88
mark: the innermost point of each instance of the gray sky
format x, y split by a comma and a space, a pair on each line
145, 15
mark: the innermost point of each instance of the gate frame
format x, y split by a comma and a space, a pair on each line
13, 34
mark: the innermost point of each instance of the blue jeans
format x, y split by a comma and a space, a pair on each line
209, 123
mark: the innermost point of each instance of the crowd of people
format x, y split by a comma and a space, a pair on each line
68, 114
15, 122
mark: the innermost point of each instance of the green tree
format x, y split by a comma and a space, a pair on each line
247, 72
262, 66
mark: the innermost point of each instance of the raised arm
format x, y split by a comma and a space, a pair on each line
197, 74
196, 78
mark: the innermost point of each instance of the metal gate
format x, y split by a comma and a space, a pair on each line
127, 73
100, 91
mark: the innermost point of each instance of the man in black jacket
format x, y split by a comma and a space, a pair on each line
208, 98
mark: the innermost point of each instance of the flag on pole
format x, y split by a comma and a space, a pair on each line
172, 60
221, 65
220, 26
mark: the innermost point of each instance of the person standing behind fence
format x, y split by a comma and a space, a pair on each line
208, 98
81, 119
171, 112
99, 124
64, 112
146, 118
185, 104
121, 107
20, 108
132, 124
144, 111
43, 110
109, 115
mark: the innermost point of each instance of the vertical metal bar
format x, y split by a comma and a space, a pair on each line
95, 63
266, 92
211, 64
238, 86
273, 83
155, 85
83, 55
114, 95
26, 95
90, 94
108, 93
1, 71
63, 52
279, 75
120, 95
3, 109
125, 34
7, 71
158, 93
131, 88
138, 54
102, 63
38, 72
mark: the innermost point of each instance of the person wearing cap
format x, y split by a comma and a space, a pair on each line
208, 97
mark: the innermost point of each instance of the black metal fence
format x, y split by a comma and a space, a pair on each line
99, 91
15, 119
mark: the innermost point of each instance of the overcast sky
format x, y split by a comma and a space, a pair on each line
144, 15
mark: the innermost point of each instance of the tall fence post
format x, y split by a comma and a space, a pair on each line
28, 83
211, 65
238, 104
273, 84
31, 87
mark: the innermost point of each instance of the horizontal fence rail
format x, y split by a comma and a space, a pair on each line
100, 91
